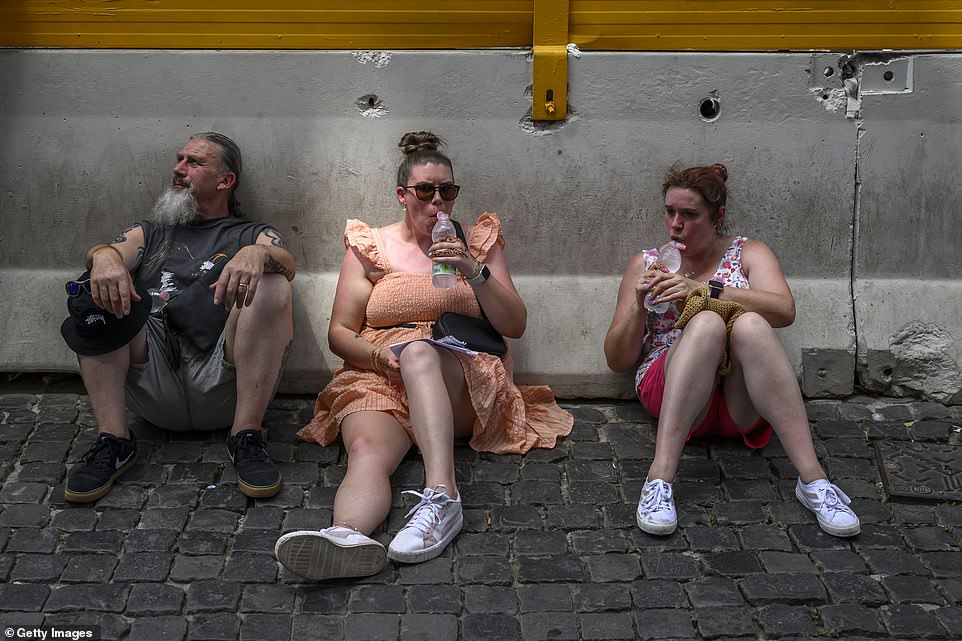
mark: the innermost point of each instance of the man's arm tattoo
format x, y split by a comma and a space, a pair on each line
275, 237
272, 265
122, 237
140, 257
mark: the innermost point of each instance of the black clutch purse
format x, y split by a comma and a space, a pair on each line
476, 334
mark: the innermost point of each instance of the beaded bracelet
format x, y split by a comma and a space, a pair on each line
477, 272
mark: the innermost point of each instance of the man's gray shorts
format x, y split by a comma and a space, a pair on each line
199, 395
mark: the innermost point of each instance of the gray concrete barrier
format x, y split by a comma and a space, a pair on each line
844, 165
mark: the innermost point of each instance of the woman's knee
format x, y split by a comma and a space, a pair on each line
419, 357
750, 327
368, 450
361, 446
707, 326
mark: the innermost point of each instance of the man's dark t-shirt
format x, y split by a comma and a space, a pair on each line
177, 255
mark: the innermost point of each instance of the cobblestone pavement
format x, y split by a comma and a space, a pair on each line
549, 549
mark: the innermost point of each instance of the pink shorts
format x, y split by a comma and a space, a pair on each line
717, 422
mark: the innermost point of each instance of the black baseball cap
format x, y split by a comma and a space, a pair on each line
92, 331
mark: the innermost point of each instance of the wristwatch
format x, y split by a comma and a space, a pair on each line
482, 276
715, 288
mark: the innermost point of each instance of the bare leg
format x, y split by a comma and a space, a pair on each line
376, 443
440, 409
764, 384
689, 384
257, 341
104, 377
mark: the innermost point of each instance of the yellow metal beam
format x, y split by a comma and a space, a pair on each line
765, 25
594, 25
549, 95
266, 24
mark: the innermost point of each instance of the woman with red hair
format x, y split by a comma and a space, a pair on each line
724, 374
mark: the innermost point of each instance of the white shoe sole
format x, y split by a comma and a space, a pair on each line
658, 529
427, 553
313, 556
828, 528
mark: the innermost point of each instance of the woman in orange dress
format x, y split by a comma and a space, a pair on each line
381, 403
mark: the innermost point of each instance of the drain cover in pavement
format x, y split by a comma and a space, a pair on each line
921, 470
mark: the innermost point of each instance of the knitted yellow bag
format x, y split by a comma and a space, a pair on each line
699, 301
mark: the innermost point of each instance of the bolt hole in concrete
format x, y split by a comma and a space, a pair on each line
889, 76
829, 72
887, 372
709, 109
371, 106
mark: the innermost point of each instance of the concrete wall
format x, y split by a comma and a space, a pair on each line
851, 190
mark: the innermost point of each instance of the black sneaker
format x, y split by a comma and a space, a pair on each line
257, 475
107, 458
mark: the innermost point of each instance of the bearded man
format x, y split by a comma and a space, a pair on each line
184, 319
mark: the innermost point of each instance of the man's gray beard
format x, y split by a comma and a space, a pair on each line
175, 207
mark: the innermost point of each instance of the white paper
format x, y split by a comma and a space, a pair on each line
448, 342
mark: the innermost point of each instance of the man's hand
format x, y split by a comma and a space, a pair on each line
111, 285
237, 284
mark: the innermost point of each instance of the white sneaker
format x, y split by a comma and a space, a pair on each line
830, 505
330, 553
437, 520
656, 509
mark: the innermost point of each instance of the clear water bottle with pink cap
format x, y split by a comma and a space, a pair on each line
670, 258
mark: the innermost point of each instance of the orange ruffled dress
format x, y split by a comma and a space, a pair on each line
510, 419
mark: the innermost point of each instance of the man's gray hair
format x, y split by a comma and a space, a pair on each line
230, 160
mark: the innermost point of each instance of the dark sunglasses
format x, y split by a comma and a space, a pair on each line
75, 286
425, 191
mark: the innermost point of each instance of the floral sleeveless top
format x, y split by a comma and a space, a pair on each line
661, 332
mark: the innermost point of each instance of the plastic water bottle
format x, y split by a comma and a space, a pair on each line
443, 275
670, 257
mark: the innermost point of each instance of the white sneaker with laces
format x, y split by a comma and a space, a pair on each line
830, 505
331, 553
656, 508
437, 520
